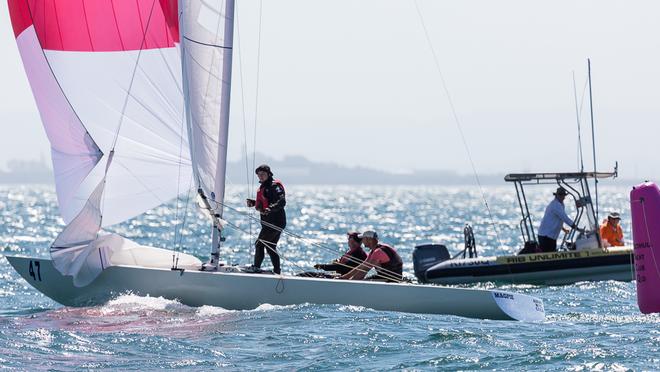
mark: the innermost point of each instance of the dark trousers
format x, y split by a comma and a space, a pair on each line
267, 240
547, 244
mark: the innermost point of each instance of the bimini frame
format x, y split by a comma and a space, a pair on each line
577, 185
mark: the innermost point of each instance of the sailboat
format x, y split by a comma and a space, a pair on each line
134, 97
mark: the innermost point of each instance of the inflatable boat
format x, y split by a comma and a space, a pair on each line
555, 268
581, 256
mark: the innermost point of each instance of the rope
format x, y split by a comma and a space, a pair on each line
271, 247
648, 236
457, 122
370, 266
387, 273
632, 255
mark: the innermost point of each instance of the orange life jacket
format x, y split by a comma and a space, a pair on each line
614, 235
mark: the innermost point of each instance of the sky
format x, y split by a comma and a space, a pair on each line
354, 82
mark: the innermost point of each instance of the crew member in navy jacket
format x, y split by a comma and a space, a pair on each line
270, 204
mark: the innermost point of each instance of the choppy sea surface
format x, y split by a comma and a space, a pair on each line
590, 326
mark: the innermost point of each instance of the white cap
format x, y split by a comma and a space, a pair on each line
368, 234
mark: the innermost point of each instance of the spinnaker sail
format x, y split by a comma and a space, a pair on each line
107, 75
107, 78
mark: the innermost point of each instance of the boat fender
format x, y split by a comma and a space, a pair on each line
428, 255
645, 210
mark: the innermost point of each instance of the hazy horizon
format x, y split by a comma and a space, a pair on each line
355, 84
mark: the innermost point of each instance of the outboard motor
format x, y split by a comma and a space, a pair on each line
425, 256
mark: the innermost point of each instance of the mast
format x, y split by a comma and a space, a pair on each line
593, 136
577, 116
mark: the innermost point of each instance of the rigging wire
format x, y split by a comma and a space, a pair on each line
579, 119
123, 112
133, 74
248, 184
457, 121
256, 104
256, 118
175, 257
271, 246
579, 131
289, 233
125, 104
593, 134
179, 245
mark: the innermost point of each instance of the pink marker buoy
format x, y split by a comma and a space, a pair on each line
645, 210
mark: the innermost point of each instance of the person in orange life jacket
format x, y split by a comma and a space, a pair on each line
270, 203
611, 232
382, 257
353, 257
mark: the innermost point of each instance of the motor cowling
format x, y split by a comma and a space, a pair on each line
427, 255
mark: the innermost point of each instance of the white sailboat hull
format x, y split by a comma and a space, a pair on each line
240, 291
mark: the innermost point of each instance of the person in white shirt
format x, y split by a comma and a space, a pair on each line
553, 220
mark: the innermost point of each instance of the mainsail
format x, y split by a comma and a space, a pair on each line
207, 29
107, 77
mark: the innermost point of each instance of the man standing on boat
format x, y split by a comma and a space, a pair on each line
382, 257
611, 232
553, 220
270, 203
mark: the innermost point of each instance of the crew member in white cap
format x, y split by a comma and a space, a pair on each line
382, 257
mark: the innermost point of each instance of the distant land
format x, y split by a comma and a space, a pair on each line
292, 170
27, 172
300, 170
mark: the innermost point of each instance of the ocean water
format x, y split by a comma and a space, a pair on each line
589, 326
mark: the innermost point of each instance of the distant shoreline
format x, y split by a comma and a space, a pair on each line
301, 171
